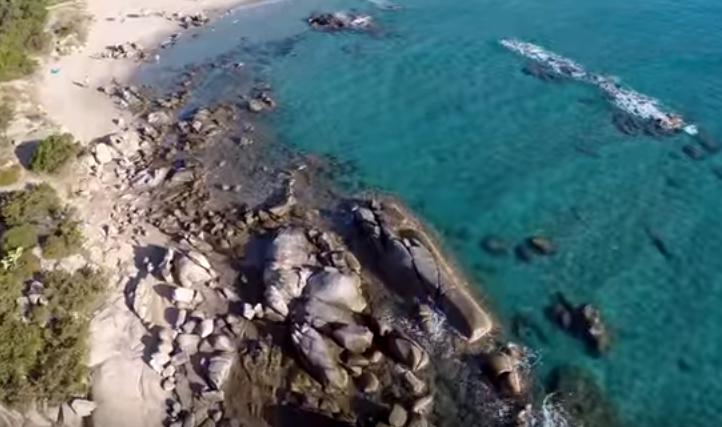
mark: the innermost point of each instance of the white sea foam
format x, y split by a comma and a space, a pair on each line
627, 100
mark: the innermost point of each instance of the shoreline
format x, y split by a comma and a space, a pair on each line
93, 116
116, 349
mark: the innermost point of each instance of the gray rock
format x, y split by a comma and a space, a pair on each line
337, 288
367, 382
193, 268
354, 338
320, 313
222, 343
165, 347
167, 334
205, 347
168, 371
431, 275
213, 395
183, 295
168, 384
376, 357
398, 416
423, 405
158, 361
219, 367
408, 352
415, 386
189, 326
255, 106
103, 153
188, 343
66, 417
83, 407
356, 360
248, 311
180, 358
318, 357
465, 314
205, 329
159, 117
180, 316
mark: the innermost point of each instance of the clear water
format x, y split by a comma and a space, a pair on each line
435, 111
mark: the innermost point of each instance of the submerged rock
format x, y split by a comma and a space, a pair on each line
581, 396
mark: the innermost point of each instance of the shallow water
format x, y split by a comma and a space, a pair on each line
434, 110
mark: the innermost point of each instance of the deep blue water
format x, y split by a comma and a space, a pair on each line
435, 111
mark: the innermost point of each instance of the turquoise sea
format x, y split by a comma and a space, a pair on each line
433, 110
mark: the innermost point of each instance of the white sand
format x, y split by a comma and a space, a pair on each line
86, 112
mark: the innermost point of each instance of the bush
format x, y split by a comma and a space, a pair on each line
47, 357
30, 206
65, 241
9, 175
53, 153
23, 236
22, 34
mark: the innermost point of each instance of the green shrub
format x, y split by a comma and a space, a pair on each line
10, 175
22, 236
47, 357
22, 34
54, 153
33, 205
65, 241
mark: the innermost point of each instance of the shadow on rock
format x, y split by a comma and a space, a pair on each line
288, 416
24, 152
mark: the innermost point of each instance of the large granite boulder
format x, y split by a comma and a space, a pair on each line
219, 368
337, 288
354, 338
407, 351
319, 314
285, 274
465, 314
318, 356
413, 268
193, 269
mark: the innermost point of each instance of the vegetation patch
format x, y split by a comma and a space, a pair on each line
22, 236
47, 358
37, 204
65, 241
54, 153
10, 175
22, 35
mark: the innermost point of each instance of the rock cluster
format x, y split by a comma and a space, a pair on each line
584, 322
412, 266
195, 352
339, 21
125, 51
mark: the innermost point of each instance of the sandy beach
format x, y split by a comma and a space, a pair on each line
87, 113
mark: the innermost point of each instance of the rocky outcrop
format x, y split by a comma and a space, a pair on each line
192, 268
318, 356
415, 270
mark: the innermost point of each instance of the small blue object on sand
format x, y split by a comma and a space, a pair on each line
55, 70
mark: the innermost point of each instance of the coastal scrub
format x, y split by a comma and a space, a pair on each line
22, 35
44, 315
43, 357
54, 153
